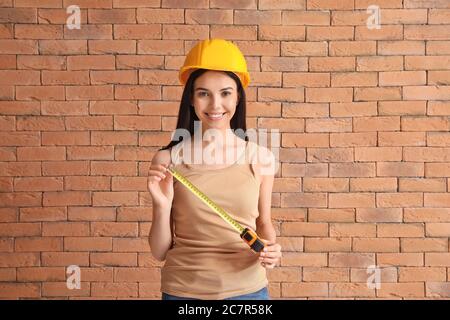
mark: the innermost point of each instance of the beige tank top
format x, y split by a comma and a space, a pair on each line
208, 259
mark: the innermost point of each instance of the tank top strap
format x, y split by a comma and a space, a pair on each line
245, 157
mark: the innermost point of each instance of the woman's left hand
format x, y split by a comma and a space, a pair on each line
271, 254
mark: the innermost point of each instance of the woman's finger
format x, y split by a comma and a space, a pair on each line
268, 266
273, 254
269, 260
272, 247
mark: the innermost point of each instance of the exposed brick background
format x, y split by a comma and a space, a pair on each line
364, 115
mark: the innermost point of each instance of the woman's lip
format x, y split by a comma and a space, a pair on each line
215, 118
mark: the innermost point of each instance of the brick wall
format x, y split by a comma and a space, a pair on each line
364, 116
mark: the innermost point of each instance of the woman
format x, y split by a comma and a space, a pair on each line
205, 257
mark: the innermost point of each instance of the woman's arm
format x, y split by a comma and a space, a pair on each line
264, 227
160, 237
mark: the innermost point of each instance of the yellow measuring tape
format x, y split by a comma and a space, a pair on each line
248, 235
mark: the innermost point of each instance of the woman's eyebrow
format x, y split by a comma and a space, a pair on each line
220, 89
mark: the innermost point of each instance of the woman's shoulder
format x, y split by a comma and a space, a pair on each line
162, 156
263, 158
259, 152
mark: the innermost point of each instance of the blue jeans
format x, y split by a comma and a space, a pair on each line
262, 294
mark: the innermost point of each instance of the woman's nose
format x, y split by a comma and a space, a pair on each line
216, 101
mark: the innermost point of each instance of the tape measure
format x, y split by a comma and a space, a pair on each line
248, 235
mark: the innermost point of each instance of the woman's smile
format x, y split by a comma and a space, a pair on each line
215, 116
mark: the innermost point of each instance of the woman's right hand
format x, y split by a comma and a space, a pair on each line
160, 185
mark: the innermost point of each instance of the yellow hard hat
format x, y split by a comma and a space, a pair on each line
215, 54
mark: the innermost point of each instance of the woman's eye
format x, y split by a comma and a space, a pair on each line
226, 93
203, 94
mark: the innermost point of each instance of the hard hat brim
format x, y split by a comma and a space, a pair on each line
186, 72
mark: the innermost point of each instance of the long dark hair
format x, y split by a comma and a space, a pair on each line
187, 116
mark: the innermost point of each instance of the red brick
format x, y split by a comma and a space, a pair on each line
331, 215
304, 229
97, 4
134, 92
89, 92
373, 184
38, 184
366, 124
87, 244
40, 214
87, 183
91, 214
281, 94
23, 199
58, 289
303, 49
58, 168
63, 198
352, 230
377, 93
315, 200
304, 259
379, 215
376, 245
400, 259
437, 169
437, 259
62, 47
351, 290
436, 199
328, 244
211, 16
114, 259
114, 138
387, 32
64, 259
353, 139
25, 31
352, 200
422, 184
232, 32
328, 125
20, 290
409, 199
401, 138
74, 229
425, 124
400, 230
379, 63
329, 4
378, 154
427, 154
437, 289
313, 289
90, 153
426, 92
400, 169
424, 245
38, 244
96, 62
410, 289
32, 274
93, 32
352, 170
351, 259
427, 214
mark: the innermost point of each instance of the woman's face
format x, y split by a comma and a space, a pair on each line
214, 99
